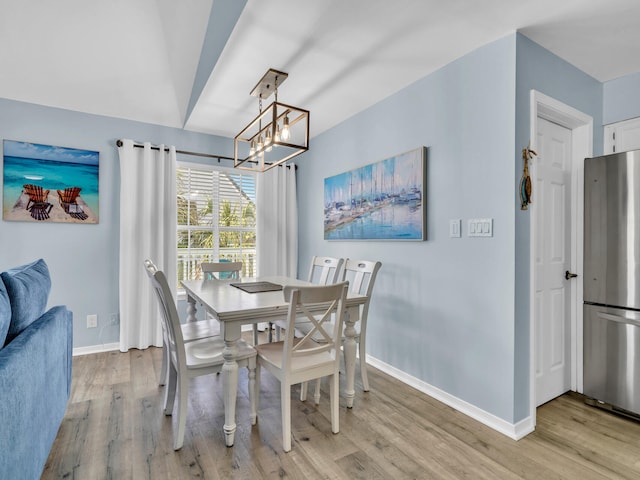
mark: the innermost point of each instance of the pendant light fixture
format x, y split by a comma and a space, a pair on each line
276, 135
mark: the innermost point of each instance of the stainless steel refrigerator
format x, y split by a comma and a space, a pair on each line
612, 282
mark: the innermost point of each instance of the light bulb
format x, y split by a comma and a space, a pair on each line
285, 134
260, 145
277, 135
252, 149
267, 140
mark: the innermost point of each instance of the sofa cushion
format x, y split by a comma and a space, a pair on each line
5, 313
28, 287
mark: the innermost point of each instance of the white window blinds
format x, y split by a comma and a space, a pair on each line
216, 219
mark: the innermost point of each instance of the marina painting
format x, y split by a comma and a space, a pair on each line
380, 201
44, 183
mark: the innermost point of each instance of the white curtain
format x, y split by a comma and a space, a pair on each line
147, 230
277, 222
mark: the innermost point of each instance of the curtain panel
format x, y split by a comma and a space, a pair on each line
277, 222
147, 230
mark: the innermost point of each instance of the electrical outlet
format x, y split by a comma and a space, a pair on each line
115, 319
92, 321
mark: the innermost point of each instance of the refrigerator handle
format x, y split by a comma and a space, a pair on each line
618, 318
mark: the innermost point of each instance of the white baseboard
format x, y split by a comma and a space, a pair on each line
515, 431
105, 347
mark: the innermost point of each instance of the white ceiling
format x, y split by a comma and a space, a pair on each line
138, 59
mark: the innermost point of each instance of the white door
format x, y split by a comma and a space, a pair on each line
552, 249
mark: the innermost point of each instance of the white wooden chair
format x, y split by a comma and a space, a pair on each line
192, 359
361, 275
295, 360
323, 271
190, 331
226, 271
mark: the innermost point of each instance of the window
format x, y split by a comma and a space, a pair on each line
216, 219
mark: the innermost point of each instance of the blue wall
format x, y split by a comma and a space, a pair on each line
621, 99
454, 313
442, 310
83, 259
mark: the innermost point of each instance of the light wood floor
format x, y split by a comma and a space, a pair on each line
114, 429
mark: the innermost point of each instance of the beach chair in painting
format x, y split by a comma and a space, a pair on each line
35, 194
37, 204
68, 202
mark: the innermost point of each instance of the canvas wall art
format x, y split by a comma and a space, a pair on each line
44, 183
380, 201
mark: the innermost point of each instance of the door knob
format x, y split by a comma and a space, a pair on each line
568, 275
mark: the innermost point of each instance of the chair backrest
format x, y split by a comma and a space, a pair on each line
325, 270
70, 194
361, 275
169, 313
222, 269
299, 299
35, 193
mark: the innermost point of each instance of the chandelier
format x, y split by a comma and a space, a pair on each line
277, 134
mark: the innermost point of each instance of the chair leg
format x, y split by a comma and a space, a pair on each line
165, 360
256, 390
363, 366
170, 389
316, 394
303, 391
270, 332
253, 394
255, 334
285, 394
334, 390
278, 333
183, 395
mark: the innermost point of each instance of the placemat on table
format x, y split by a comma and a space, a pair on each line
257, 287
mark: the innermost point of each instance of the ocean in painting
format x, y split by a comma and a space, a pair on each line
56, 169
389, 222
380, 201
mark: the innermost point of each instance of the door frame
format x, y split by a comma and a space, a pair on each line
581, 126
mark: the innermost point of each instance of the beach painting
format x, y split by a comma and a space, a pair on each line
380, 201
44, 183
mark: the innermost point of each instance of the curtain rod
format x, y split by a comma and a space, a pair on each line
184, 152
196, 154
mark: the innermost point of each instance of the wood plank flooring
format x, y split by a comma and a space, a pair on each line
114, 428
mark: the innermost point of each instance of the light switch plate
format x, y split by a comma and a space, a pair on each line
480, 227
455, 228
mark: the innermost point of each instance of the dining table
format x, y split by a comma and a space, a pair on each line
234, 307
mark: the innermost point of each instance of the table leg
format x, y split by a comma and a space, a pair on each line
351, 316
191, 309
230, 380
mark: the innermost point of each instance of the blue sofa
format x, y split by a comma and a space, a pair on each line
35, 370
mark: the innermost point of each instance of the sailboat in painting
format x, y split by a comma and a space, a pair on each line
380, 201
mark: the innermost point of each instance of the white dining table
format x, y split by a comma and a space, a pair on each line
234, 307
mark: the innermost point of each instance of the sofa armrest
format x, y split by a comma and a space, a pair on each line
35, 383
